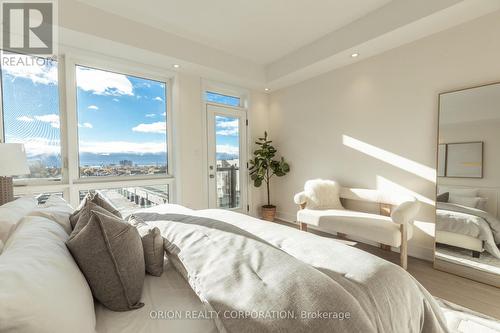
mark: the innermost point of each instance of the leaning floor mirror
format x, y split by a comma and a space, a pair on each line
468, 184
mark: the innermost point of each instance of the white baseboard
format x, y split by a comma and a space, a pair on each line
414, 250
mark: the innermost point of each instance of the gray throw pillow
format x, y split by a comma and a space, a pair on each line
85, 214
97, 199
152, 244
110, 255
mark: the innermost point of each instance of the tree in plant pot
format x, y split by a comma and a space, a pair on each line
263, 168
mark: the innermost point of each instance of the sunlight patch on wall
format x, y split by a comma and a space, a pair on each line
427, 227
384, 184
398, 161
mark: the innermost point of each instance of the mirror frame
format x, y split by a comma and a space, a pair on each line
456, 269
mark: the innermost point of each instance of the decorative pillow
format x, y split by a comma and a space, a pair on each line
110, 255
57, 210
10, 215
86, 213
323, 194
152, 244
97, 199
464, 201
41, 289
443, 197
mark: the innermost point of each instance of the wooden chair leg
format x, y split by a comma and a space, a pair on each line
404, 247
303, 226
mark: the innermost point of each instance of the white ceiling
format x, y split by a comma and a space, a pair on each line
261, 31
257, 43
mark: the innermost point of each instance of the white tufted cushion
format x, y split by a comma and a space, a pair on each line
322, 194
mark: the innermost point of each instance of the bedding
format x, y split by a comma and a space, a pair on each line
96, 199
109, 253
152, 243
470, 222
237, 262
167, 301
11, 214
57, 210
41, 288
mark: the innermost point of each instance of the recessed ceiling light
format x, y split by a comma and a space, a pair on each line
176, 66
267, 89
354, 55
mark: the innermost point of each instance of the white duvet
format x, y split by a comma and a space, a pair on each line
469, 222
393, 299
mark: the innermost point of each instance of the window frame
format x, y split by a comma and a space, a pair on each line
118, 70
62, 132
71, 183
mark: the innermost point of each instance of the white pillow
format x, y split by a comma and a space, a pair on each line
482, 203
42, 289
464, 201
10, 215
323, 194
57, 210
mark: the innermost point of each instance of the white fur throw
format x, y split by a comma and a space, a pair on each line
322, 194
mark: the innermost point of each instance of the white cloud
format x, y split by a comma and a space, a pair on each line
52, 119
158, 127
110, 147
164, 114
228, 149
116, 99
150, 115
39, 146
103, 82
93, 107
228, 128
25, 119
85, 125
158, 98
35, 69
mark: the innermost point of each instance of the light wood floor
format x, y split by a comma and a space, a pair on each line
470, 294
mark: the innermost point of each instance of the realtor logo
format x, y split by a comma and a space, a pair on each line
28, 27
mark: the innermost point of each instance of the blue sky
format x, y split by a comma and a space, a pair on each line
116, 113
227, 138
128, 114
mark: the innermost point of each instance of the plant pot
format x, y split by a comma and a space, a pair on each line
268, 212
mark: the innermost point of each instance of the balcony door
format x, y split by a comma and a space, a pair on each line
227, 158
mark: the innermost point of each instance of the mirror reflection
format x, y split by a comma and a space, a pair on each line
468, 184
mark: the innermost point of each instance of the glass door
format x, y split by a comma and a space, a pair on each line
227, 160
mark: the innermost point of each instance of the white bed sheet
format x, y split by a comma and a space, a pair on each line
162, 296
167, 293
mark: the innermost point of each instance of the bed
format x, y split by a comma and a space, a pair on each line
217, 261
472, 228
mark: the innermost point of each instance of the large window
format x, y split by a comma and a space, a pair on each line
30, 96
122, 124
109, 124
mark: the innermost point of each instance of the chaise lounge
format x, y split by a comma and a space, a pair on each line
321, 207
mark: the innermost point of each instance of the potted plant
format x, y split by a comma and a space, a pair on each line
263, 168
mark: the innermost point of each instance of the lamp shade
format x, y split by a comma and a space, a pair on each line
13, 160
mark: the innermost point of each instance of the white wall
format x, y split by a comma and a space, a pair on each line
389, 104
